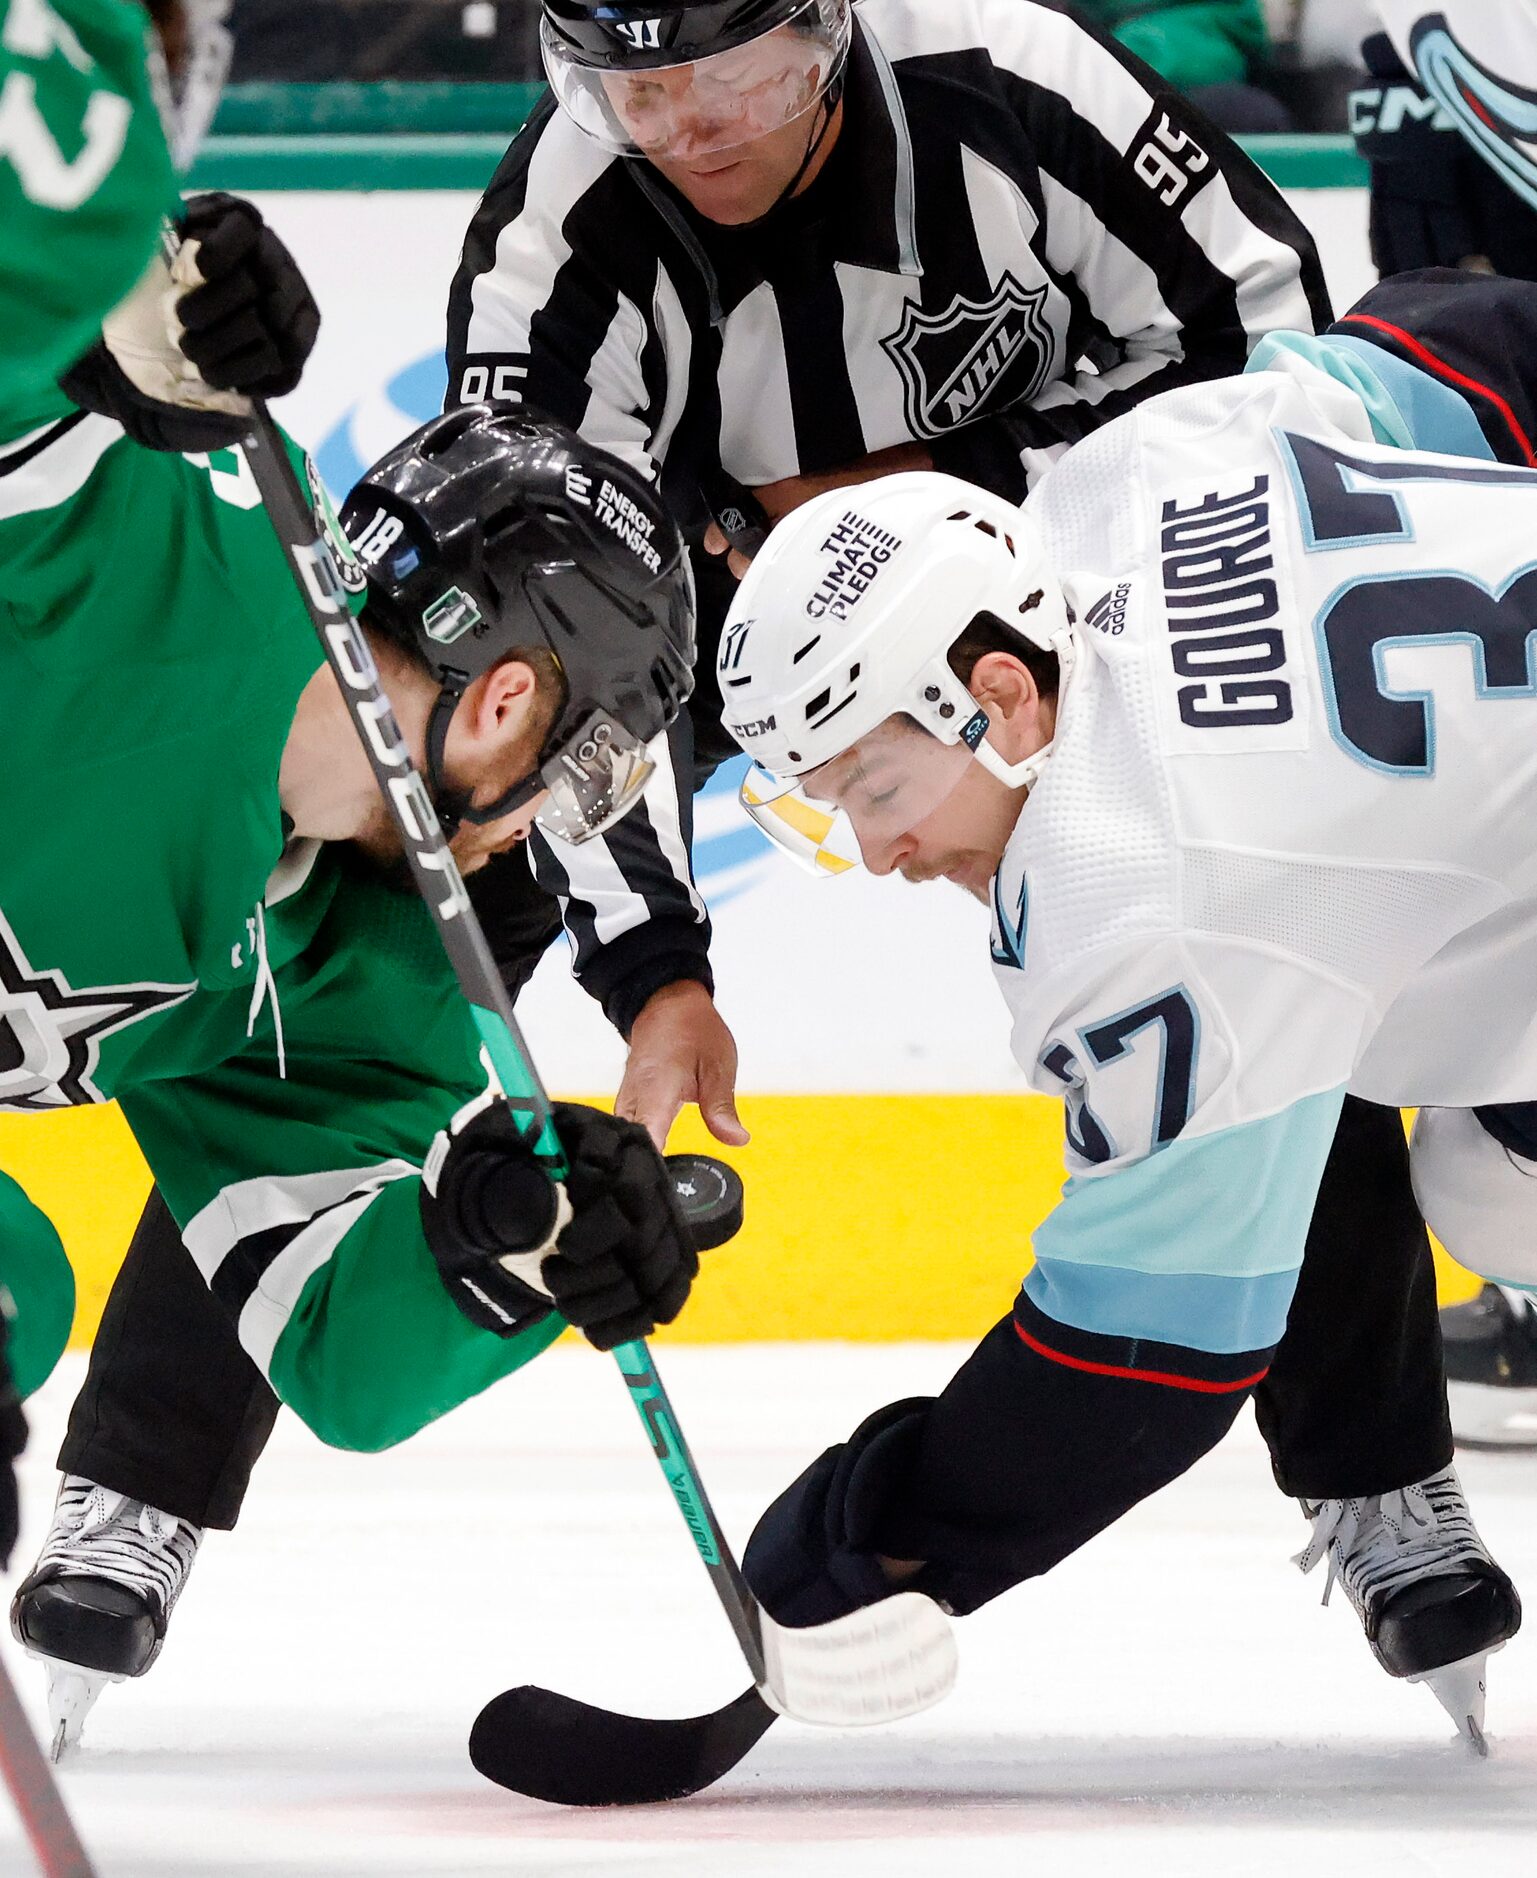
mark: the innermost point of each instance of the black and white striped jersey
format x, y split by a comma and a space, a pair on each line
1019, 234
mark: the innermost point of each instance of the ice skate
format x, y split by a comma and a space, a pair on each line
1491, 1368
96, 1604
1433, 1603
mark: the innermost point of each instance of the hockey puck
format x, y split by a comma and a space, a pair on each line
709, 1196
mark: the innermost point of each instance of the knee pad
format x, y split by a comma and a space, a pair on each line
1478, 1198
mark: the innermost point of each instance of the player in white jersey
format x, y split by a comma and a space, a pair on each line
1448, 123
1234, 725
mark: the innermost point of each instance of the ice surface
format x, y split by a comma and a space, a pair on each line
1171, 1702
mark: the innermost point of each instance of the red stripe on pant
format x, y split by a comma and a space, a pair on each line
1444, 370
1195, 1383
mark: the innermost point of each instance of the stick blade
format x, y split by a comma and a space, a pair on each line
552, 1747
878, 1664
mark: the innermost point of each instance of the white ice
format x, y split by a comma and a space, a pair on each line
1169, 1703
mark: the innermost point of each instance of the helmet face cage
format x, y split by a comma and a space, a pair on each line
673, 85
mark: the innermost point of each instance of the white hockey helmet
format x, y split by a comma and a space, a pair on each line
843, 624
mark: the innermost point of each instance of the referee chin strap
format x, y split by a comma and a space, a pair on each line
829, 101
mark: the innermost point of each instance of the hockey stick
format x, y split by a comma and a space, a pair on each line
35, 1792
903, 1658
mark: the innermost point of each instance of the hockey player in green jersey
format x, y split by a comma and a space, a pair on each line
201, 912
97, 109
268, 1005
91, 91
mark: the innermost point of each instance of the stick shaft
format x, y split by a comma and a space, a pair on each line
665, 1431
35, 1792
436, 873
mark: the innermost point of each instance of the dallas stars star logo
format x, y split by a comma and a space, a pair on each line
50, 1033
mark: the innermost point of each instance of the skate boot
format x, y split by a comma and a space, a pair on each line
1433, 1603
1491, 1368
96, 1604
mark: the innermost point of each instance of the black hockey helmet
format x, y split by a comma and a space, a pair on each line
585, 41
486, 533
633, 35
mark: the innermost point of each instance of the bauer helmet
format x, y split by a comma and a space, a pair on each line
837, 644
485, 534
740, 69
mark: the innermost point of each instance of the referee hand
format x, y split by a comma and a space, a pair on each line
681, 1051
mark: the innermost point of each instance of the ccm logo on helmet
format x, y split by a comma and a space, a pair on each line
759, 729
859, 550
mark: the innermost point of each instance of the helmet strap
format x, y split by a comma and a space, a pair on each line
521, 791
1026, 773
1021, 775
828, 103
451, 804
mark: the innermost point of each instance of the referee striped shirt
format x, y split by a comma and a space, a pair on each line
1019, 235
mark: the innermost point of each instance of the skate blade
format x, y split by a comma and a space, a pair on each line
1460, 1688
72, 1694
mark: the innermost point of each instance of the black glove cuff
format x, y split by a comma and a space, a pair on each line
96, 382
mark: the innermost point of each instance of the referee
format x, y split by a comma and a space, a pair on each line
783, 245
772, 246
779, 246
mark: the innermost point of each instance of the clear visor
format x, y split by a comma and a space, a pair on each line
598, 777
688, 112
811, 833
858, 806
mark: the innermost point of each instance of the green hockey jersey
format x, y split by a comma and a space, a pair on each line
279, 1025
84, 179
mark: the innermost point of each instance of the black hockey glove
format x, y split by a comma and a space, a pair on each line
1419, 215
607, 1249
252, 324
13, 1438
177, 361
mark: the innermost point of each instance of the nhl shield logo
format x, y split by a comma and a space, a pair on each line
978, 353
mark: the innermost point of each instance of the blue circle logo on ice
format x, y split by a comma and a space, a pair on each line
731, 856
379, 420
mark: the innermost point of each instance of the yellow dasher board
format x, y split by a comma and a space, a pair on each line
870, 1217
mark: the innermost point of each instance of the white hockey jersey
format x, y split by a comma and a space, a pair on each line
1478, 60
1286, 845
